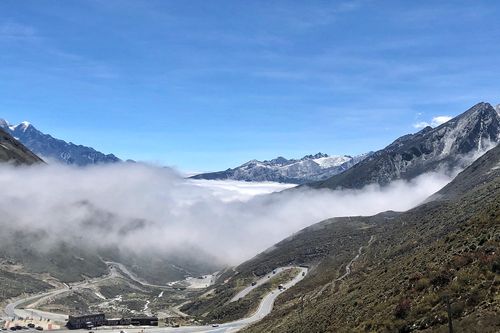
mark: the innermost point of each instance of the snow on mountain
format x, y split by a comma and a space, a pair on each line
297, 171
331, 161
23, 126
52, 148
447, 147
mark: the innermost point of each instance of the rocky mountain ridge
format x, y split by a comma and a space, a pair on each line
403, 267
447, 147
297, 171
12, 151
51, 148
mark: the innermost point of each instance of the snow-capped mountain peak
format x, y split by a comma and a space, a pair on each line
331, 161
315, 156
445, 148
23, 126
310, 167
52, 148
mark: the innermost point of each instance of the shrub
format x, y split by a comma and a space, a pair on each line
431, 299
402, 308
474, 298
441, 278
457, 309
421, 309
422, 284
460, 261
495, 266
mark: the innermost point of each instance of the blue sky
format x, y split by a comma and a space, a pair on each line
206, 85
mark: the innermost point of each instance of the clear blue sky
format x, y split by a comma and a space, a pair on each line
206, 85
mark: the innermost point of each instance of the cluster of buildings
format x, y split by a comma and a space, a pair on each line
95, 320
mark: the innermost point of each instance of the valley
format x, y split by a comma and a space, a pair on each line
249, 166
393, 271
27, 309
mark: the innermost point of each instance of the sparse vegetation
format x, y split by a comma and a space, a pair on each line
227, 311
446, 248
14, 284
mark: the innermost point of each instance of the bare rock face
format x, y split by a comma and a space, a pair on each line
50, 147
12, 151
445, 147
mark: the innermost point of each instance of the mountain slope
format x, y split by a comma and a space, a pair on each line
40, 250
415, 260
296, 171
49, 147
408, 263
445, 147
12, 151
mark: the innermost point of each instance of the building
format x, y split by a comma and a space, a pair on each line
86, 321
94, 320
118, 322
144, 321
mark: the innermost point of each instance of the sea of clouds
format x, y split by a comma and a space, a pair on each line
137, 206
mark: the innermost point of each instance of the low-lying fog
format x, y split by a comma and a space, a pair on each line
231, 220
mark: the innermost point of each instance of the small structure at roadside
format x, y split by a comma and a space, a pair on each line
87, 321
90, 321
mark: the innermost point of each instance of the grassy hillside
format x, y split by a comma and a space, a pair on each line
214, 306
444, 248
14, 284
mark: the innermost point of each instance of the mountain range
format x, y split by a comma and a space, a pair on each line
297, 171
391, 272
51, 148
69, 262
447, 147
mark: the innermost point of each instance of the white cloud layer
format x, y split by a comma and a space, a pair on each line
436, 121
421, 124
157, 209
230, 190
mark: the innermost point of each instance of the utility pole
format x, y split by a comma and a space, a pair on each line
448, 307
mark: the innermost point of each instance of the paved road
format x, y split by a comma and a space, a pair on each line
265, 307
259, 282
132, 276
135, 278
12, 311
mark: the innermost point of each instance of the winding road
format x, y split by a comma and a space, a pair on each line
132, 276
258, 283
11, 310
265, 307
